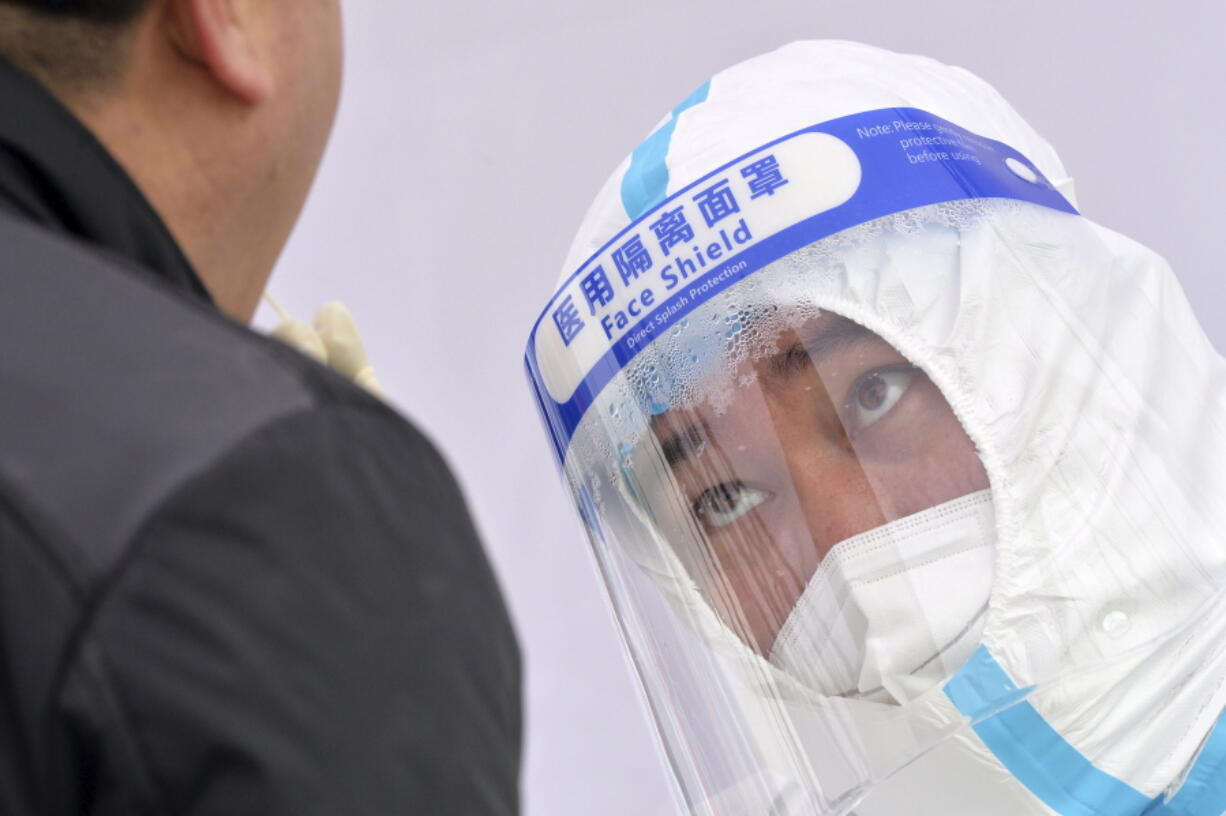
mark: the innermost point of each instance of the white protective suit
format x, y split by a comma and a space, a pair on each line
1036, 628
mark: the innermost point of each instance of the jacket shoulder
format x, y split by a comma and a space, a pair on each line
117, 389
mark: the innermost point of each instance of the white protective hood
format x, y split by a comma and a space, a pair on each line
806, 82
1096, 403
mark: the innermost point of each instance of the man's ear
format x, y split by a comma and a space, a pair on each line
219, 36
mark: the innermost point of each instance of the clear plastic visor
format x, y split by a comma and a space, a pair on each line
799, 533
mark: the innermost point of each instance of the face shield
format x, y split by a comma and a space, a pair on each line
876, 477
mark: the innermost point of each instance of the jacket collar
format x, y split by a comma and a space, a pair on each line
55, 173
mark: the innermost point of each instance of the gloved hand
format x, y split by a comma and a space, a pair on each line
333, 340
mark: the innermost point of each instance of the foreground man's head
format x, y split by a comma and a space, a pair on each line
219, 111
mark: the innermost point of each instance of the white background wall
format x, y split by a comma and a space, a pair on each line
473, 135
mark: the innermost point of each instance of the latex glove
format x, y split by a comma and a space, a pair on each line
333, 340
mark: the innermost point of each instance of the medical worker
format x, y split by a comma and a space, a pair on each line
231, 580
903, 473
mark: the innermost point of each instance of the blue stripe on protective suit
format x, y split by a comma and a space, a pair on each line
1033, 751
1055, 771
646, 181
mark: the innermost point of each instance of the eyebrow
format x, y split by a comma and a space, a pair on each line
684, 443
806, 351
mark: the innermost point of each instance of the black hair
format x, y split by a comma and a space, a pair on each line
94, 11
71, 46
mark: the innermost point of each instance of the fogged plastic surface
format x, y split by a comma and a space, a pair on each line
948, 464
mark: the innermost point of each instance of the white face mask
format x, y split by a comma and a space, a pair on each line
894, 611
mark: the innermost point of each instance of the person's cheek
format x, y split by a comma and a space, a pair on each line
918, 455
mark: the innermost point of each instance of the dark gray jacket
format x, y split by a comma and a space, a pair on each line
231, 582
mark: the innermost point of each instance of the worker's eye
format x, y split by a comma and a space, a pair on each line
726, 502
874, 394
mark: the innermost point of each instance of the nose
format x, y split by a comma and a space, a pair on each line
825, 498
834, 498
